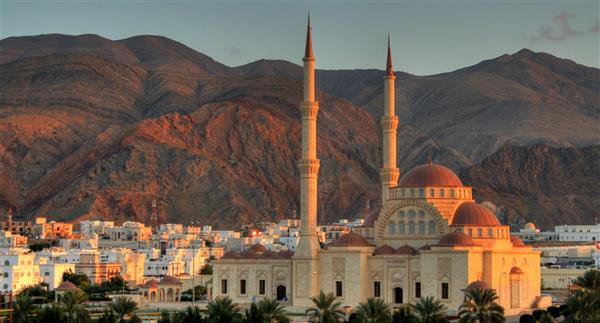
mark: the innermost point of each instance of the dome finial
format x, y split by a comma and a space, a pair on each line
429, 160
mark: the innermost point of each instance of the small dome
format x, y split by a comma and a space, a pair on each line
516, 270
258, 248
169, 280
286, 254
471, 213
384, 250
66, 286
478, 284
516, 241
248, 254
351, 239
456, 239
529, 226
269, 254
151, 283
371, 216
431, 174
231, 254
406, 250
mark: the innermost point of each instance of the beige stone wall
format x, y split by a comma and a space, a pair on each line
560, 278
275, 272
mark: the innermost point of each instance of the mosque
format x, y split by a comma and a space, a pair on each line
428, 238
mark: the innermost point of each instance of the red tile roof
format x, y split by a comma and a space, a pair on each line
430, 175
471, 213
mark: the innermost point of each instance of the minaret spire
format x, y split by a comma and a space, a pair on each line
389, 122
308, 51
307, 253
389, 70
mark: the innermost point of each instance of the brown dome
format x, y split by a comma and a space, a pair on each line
169, 280
66, 286
406, 250
516, 270
371, 216
248, 254
258, 248
471, 213
151, 283
430, 175
456, 239
517, 242
351, 239
286, 254
384, 250
478, 284
231, 254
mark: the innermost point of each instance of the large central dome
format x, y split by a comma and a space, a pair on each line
430, 175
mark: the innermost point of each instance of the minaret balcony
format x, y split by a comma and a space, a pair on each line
389, 123
308, 167
309, 109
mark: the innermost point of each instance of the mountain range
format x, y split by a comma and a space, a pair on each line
96, 128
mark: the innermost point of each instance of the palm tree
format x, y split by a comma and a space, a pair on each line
193, 315
404, 315
375, 310
589, 280
108, 316
480, 306
52, 314
584, 306
429, 310
22, 309
75, 311
124, 307
253, 315
272, 311
174, 317
223, 310
326, 309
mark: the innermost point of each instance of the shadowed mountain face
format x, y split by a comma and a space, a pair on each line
91, 127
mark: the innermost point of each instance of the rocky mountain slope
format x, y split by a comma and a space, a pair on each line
540, 184
91, 127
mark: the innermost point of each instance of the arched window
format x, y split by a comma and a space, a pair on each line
421, 192
490, 233
452, 193
411, 227
6, 263
421, 227
431, 227
401, 228
470, 232
402, 192
401, 214
412, 192
392, 227
432, 192
441, 192
421, 214
480, 232
412, 214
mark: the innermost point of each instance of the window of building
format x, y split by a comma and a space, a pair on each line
411, 227
401, 228
242, 286
442, 192
339, 289
412, 214
490, 233
452, 193
412, 192
432, 192
401, 214
377, 289
445, 291
470, 232
6, 263
431, 227
421, 214
421, 227
418, 290
392, 227
261, 287
480, 232
223, 286
421, 192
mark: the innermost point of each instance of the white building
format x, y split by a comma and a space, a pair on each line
52, 273
578, 232
88, 228
18, 271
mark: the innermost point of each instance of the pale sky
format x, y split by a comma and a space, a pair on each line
428, 37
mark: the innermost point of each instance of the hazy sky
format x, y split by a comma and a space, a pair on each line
427, 36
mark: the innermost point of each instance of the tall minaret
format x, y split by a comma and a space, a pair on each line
305, 259
389, 121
